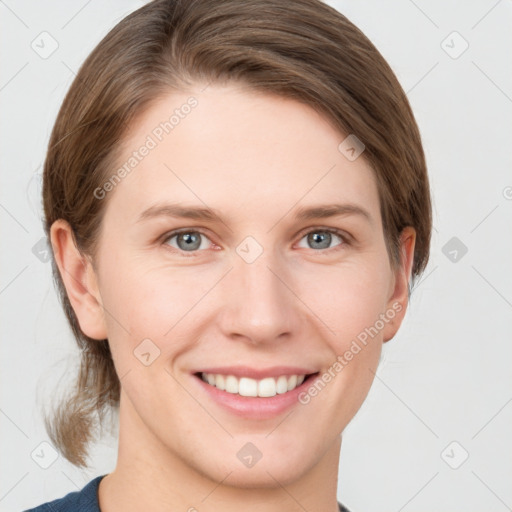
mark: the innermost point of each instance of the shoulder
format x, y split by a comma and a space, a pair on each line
85, 500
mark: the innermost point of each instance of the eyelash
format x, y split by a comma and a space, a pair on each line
342, 235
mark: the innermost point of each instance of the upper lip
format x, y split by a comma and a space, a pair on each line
258, 374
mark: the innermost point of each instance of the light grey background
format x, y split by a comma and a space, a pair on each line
444, 387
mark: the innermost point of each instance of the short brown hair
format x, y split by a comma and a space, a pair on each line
305, 50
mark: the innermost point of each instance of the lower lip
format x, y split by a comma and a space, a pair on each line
255, 408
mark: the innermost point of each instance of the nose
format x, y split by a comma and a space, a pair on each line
258, 303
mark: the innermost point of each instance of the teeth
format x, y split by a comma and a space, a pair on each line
250, 387
265, 387
231, 384
282, 384
219, 382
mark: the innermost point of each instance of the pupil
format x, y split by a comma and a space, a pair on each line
323, 239
190, 240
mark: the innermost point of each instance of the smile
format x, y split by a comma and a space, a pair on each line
254, 394
246, 386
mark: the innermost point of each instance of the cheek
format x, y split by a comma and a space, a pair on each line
160, 302
347, 299
143, 301
350, 301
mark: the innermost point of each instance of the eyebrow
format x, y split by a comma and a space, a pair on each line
212, 215
332, 210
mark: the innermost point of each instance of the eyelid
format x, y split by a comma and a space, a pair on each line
171, 234
346, 238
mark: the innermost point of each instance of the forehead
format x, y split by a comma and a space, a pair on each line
237, 150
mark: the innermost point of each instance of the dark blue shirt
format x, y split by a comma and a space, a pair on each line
86, 500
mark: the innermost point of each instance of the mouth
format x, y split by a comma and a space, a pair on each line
255, 395
255, 388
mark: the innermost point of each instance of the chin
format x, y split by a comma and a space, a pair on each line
263, 477
273, 469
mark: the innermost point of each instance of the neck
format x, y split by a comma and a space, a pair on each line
151, 476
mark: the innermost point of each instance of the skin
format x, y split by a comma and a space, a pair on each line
255, 158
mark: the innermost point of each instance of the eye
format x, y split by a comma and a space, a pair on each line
321, 238
191, 241
187, 241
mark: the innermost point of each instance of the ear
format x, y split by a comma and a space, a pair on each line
399, 289
80, 280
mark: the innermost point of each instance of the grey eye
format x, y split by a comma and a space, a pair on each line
187, 241
320, 239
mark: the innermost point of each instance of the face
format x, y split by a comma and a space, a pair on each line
253, 282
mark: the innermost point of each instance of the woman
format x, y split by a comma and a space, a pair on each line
237, 202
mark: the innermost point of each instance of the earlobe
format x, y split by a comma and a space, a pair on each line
79, 279
399, 296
